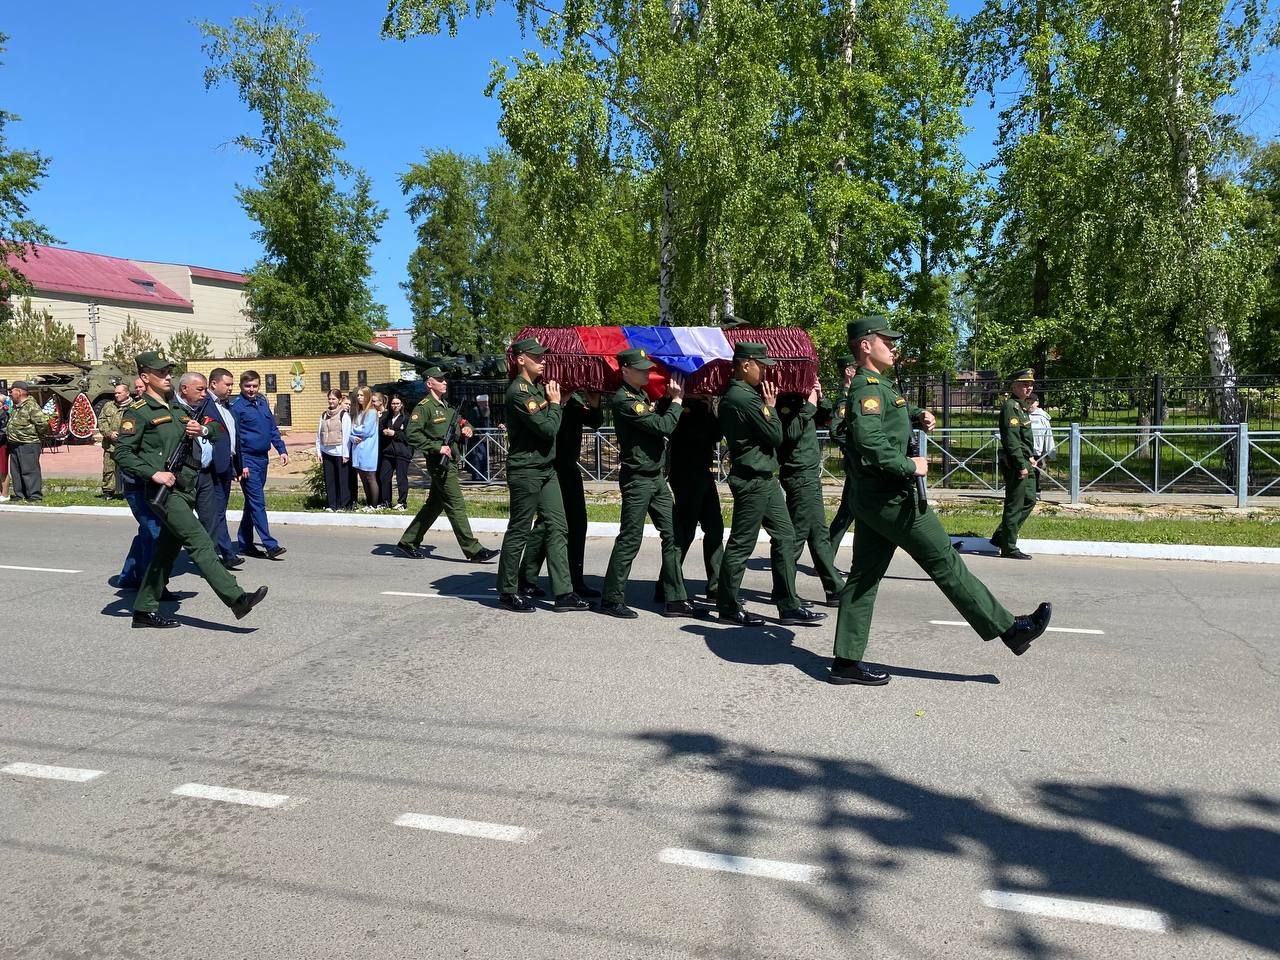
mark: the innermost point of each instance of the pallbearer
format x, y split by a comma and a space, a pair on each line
692, 470
800, 460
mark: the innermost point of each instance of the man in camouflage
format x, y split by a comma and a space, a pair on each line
27, 424
109, 427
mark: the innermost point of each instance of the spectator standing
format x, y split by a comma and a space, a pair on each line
109, 426
4, 446
213, 491
1042, 441
395, 454
477, 451
139, 388
27, 423
333, 447
364, 445
257, 433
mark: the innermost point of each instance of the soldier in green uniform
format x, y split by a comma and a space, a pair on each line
581, 411
436, 429
843, 519
888, 515
533, 420
109, 427
1017, 465
754, 433
642, 441
692, 467
800, 461
151, 430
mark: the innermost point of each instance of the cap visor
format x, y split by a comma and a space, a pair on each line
642, 365
765, 361
891, 334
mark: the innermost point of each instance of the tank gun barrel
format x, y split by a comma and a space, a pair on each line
408, 358
84, 367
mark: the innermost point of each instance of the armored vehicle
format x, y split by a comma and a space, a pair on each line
96, 381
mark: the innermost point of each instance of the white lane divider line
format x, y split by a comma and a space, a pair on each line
773, 869
73, 774
249, 798
442, 596
466, 828
39, 569
961, 623
1082, 910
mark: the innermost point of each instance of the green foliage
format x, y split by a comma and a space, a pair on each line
317, 218
33, 336
20, 174
128, 343
189, 344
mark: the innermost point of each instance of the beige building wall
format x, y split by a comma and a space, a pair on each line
221, 313
161, 322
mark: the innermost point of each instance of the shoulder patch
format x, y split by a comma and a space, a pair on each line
640, 407
840, 410
870, 404
785, 411
872, 380
127, 426
413, 417
767, 413
1014, 421
531, 406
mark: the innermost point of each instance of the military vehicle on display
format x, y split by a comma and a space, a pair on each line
95, 381
482, 374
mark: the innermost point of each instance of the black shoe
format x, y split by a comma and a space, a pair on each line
587, 593
247, 602
517, 603
619, 610
232, 563
1025, 629
570, 603
532, 590
800, 618
995, 540
275, 553
680, 608
406, 550
742, 619
169, 596
957, 545
153, 620
485, 555
855, 671
254, 552
1015, 554
831, 600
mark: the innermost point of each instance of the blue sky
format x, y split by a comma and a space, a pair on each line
141, 161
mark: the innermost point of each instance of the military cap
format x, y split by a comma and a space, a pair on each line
20, 385
1027, 374
745, 350
153, 360
635, 358
874, 324
529, 345
435, 373
846, 360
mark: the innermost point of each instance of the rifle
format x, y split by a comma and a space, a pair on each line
914, 446
159, 499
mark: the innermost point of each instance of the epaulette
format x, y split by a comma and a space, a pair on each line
872, 380
137, 404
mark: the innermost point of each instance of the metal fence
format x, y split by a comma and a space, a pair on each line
1168, 460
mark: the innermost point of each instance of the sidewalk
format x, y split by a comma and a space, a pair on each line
84, 460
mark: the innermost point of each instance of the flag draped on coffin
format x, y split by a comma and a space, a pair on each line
585, 358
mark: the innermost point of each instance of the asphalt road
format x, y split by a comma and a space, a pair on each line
430, 776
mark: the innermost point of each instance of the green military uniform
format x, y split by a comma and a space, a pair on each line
800, 471
109, 423
150, 431
430, 424
887, 514
642, 441
27, 424
534, 488
753, 432
1016, 450
843, 518
692, 467
576, 415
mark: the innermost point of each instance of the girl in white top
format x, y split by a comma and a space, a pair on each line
333, 447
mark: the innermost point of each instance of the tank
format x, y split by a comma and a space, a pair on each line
482, 373
95, 381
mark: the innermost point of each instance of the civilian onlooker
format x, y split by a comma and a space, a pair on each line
395, 454
364, 445
27, 423
257, 433
4, 446
477, 450
109, 426
211, 505
139, 388
1042, 441
333, 447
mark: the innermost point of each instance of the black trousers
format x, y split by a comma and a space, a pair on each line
336, 475
400, 466
24, 471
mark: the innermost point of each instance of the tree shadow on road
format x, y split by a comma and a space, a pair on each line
1159, 851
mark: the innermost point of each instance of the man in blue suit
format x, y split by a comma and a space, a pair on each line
213, 484
256, 434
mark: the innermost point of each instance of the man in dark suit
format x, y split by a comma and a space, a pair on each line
213, 484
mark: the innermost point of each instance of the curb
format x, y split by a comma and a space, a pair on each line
969, 545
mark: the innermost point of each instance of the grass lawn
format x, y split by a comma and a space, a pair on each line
1142, 525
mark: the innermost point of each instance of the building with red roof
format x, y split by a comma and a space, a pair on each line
96, 294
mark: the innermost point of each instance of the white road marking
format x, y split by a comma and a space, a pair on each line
44, 772
442, 596
467, 828
250, 798
774, 869
961, 623
1081, 910
39, 569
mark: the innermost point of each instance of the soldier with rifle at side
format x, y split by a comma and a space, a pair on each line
436, 429
156, 447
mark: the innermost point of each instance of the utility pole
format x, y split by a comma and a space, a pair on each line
93, 330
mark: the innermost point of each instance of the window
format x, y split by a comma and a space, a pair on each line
147, 285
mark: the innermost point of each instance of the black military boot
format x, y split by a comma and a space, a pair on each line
845, 671
1025, 629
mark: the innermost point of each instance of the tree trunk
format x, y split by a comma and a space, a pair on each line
1040, 289
666, 258
841, 165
